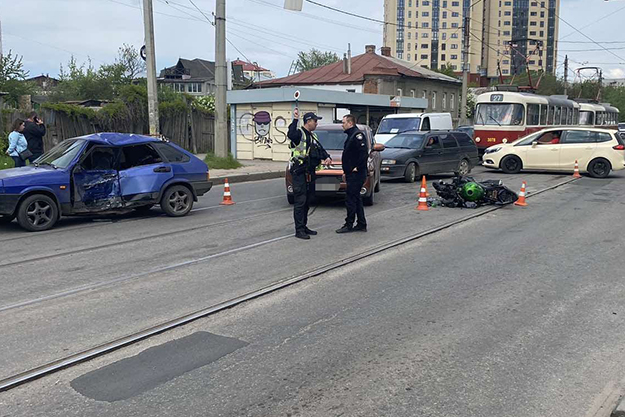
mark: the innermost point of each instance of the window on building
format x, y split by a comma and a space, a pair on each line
424, 56
542, 24
532, 62
506, 33
454, 57
454, 25
443, 56
425, 46
507, 23
444, 4
424, 35
444, 36
533, 33
409, 25
444, 15
508, 3
425, 25
540, 62
426, 2
452, 101
534, 14
409, 35
532, 23
534, 4
454, 67
409, 3
425, 14
542, 14
508, 13
443, 47
408, 57
424, 94
454, 46
455, 3
412, 93
505, 71
409, 14
454, 36
433, 100
399, 92
444, 25
409, 46
542, 34
455, 14
506, 62
444, 101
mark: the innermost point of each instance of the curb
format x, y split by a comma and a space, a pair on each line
619, 411
248, 177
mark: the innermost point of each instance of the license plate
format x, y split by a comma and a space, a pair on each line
327, 187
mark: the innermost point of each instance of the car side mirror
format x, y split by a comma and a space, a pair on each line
378, 147
534, 144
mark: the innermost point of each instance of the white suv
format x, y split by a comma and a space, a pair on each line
597, 151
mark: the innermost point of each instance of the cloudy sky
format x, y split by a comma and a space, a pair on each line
48, 32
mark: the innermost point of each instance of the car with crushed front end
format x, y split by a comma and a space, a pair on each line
102, 173
331, 181
597, 152
410, 155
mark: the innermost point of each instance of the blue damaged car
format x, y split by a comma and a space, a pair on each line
100, 174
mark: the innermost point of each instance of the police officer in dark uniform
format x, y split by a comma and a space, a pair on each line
307, 155
354, 159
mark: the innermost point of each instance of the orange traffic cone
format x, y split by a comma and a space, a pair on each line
423, 201
576, 170
427, 194
521, 201
227, 196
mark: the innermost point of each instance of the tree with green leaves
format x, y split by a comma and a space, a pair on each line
447, 69
12, 78
314, 59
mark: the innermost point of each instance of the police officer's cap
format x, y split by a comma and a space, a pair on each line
311, 116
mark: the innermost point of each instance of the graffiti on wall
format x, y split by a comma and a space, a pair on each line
256, 127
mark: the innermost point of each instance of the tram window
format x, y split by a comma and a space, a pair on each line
569, 116
599, 118
586, 118
543, 115
576, 117
533, 114
557, 115
550, 118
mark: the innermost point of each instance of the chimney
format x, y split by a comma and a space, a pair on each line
345, 64
370, 49
386, 51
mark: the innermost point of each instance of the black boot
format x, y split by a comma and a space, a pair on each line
345, 229
310, 232
302, 235
360, 228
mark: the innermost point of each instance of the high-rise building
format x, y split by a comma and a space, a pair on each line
509, 35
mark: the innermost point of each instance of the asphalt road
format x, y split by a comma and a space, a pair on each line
515, 312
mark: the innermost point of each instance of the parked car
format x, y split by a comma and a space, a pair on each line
394, 124
597, 151
621, 127
102, 173
413, 154
330, 181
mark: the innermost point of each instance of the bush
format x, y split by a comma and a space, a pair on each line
215, 162
6, 162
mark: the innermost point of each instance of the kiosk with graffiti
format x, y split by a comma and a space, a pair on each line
256, 128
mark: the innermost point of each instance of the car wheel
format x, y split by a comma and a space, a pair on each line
177, 201
6, 219
599, 168
290, 198
369, 200
511, 164
37, 213
411, 172
464, 168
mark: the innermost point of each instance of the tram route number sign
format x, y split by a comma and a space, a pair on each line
496, 97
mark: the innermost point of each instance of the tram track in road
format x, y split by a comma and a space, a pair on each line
99, 222
88, 354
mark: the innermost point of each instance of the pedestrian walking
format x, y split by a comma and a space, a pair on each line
18, 146
354, 160
34, 131
307, 156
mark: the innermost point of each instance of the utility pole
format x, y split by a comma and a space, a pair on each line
566, 74
465, 71
1, 54
221, 111
148, 23
600, 85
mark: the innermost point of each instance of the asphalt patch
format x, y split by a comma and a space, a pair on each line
132, 376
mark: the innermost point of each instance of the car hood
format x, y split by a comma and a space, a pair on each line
396, 153
28, 170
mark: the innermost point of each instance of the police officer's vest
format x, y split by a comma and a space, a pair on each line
299, 153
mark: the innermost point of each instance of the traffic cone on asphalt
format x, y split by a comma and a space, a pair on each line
427, 194
576, 170
227, 196
423, 201
521, 201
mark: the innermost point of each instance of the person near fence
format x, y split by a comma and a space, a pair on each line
34, 131
17, 143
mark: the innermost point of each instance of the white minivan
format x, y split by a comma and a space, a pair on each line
393, 124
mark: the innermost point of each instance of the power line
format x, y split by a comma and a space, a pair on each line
592, 23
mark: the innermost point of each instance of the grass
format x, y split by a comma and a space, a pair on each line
6, 162
215, 162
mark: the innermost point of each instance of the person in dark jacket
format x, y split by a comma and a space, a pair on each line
307, 155
354, 159
34, 131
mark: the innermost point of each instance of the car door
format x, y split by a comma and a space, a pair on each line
578, 145
451, 152
95, 181
542, 153
431, 160
142, 174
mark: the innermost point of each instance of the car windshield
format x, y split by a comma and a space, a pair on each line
499, 114
393, 126
406, 142
331, 139
586, 118
62, 154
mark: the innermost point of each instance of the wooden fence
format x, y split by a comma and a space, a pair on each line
192, 130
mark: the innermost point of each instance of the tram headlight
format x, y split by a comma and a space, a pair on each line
505, 140
477, 139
